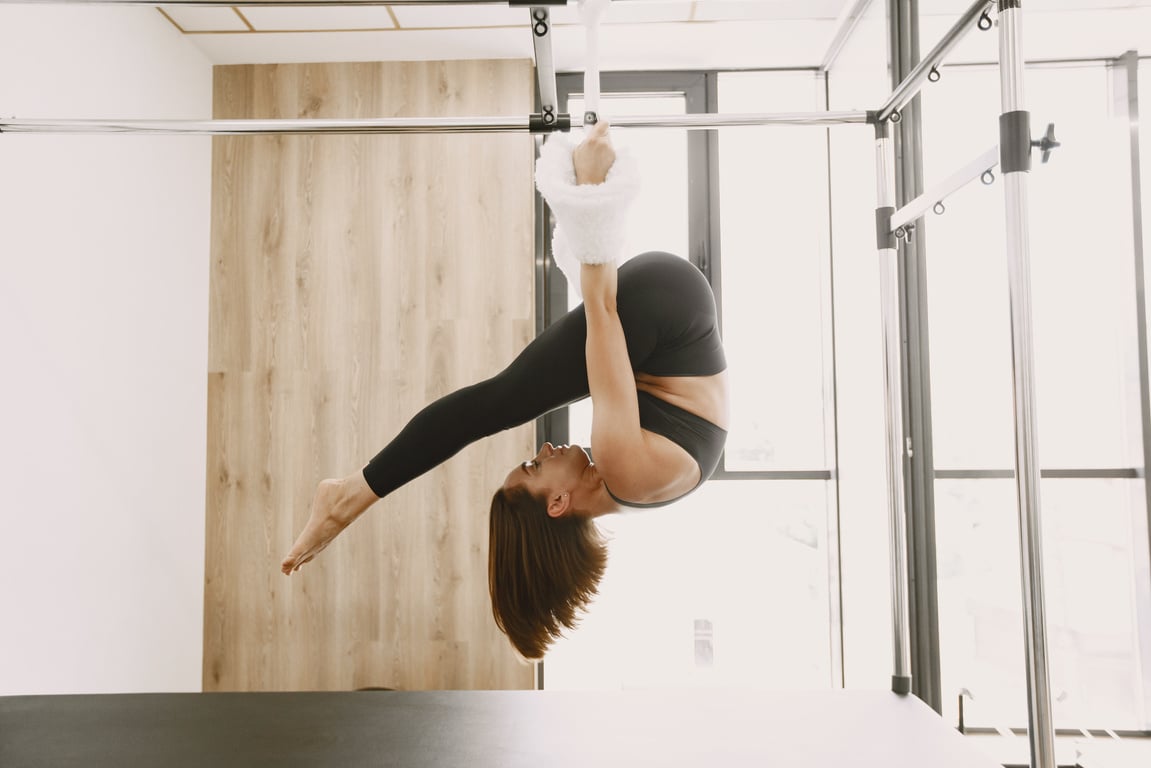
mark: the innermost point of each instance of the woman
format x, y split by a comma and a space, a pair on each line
645, 345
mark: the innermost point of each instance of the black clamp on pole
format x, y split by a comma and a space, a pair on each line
1015, 141
549, 122
884, 237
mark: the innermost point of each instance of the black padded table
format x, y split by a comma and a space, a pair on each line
480, 729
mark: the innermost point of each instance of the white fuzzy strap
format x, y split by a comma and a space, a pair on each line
591, 219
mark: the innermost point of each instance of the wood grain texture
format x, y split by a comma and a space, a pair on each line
354, 279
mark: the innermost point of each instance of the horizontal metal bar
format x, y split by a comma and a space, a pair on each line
920, 205
703, 120
265, 127
254, 3
405, 124
911, 84
1020, 730
1124, 473
773, 474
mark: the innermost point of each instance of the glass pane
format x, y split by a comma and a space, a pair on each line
1082, 278
695, 595
1091, 529
775, 283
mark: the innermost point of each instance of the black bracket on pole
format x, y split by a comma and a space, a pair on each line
549, 122
884, 237
1015, 141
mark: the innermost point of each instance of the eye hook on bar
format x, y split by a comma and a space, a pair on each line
540, 17
939, 208
933, 76
988, 177
985, 22
904, 232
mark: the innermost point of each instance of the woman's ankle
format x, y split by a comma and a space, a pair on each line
355, 496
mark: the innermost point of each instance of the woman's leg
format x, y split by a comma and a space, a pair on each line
550, 373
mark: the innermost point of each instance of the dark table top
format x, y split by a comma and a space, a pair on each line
478, 729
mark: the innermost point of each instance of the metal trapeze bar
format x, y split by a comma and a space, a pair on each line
920, 205
911, 84
406, 124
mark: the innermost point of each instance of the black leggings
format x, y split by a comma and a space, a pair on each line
668, 315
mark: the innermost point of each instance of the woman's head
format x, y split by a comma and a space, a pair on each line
545, 559
564, 477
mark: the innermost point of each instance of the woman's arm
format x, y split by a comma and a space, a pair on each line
630, 466
615, 406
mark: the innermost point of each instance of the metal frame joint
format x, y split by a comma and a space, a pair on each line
549, 122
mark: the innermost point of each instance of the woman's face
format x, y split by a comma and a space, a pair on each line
553, 470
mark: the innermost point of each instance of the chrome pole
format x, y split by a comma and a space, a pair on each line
1015, 162
893, 405
915, 79
409, 124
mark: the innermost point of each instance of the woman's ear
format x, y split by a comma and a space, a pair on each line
559, 504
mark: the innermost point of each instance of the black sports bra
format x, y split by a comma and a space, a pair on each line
702, 440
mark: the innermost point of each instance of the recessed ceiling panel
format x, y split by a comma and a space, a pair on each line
707, 10
281, 18
439, 16
629, 12
207, 19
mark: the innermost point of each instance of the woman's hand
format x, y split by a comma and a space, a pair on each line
594, 157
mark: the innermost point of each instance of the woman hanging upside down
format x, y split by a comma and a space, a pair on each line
645, 346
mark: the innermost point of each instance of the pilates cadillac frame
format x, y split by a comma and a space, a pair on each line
1013, 155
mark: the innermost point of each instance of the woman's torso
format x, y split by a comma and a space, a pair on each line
705, 396
669, 315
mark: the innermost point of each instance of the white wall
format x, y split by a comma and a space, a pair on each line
104, 247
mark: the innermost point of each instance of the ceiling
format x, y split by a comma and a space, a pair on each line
635, 34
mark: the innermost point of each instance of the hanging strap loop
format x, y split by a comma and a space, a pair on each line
590, 12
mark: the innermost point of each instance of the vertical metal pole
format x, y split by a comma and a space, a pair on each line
1129, 90
912, 300
893, 405
1015, 159
545, 67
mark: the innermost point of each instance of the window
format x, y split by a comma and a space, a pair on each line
696, 594
1088, 403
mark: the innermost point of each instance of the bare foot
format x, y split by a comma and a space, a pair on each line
331, 514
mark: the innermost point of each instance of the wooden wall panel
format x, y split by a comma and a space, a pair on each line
354, 279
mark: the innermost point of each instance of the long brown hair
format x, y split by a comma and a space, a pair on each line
542, 571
